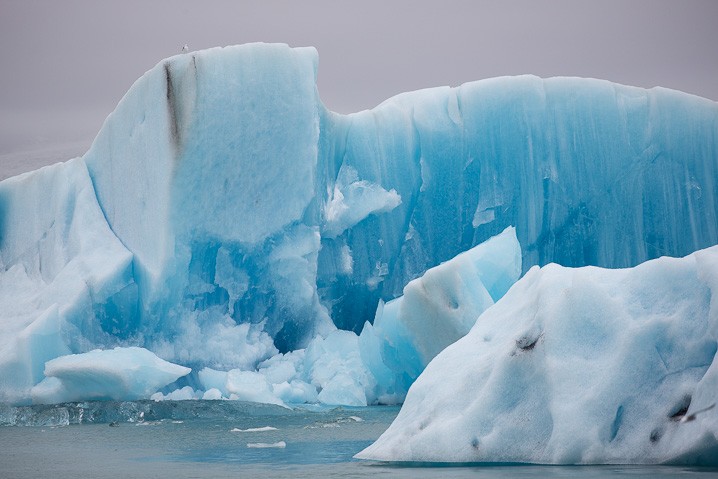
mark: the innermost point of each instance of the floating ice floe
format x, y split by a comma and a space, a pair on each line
267, 445
255, 429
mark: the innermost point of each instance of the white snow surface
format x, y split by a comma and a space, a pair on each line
575, 366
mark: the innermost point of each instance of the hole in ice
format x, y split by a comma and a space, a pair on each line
692, 417
656, 435
617, 422
475, 442
527, 343
681, 408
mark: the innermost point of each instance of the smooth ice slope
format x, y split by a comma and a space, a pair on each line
580, 365
239, 219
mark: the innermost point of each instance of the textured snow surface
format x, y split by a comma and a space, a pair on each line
224, 220
583, 365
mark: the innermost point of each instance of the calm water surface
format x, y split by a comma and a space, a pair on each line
195, 439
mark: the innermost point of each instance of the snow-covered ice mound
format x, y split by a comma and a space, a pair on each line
583, 365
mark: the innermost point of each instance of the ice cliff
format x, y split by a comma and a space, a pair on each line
226, 221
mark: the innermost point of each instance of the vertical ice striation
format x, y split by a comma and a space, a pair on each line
235, 151
589, 172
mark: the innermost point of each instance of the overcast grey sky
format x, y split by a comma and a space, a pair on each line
65, 64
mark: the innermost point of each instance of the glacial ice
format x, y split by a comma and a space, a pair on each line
575, 366
225, 220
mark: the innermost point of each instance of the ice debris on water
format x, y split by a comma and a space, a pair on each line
266, 445
255, 429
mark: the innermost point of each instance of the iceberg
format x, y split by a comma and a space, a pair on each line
225, 220
119, 374
575, 366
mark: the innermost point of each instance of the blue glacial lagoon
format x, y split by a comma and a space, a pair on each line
214, 439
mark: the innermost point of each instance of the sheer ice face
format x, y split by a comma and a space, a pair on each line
228, 217
589, 173
575, 365
205, 172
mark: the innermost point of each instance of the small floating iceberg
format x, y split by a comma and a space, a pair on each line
255, 429
265, 445
113, 374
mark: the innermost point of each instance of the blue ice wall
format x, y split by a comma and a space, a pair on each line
590, 172
256, 219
